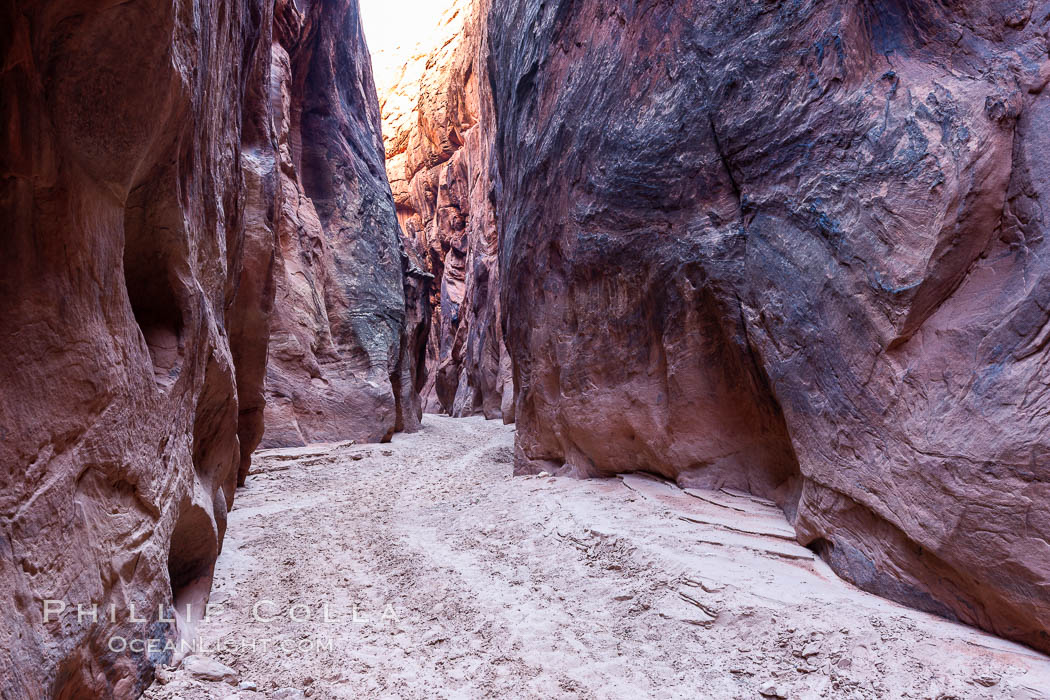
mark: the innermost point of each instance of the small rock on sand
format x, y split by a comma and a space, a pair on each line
812, 649
772, 690
206, 669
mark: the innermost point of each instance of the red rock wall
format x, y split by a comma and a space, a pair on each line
336, 369
135, 286
438, 126
797, 248
166, 171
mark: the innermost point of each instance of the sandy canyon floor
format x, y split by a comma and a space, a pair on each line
469, 582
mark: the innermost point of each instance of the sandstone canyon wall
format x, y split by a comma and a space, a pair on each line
167, 169
800, 249
344, 354
137, 184
439, 127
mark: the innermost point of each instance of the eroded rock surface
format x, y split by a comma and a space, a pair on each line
167, 171
796, 248
337, 370
439, 127
135, 288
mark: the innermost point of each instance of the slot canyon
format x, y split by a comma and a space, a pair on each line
546, 348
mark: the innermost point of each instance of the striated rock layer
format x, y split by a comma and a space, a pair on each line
337, 370
138, 176
797, 248
439, 128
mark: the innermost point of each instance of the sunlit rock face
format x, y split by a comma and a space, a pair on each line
137, 188
438, 127
343, 357
797, 248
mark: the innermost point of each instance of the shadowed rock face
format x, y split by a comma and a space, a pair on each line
336, 369
135, 287
797, 248
438, 126
153, 159
409, 377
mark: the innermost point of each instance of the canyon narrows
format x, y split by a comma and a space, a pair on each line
438, 126
778, 268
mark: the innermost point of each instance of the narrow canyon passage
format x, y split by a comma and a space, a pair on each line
469, 582
793, 254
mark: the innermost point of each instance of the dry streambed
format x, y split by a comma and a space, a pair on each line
423, 569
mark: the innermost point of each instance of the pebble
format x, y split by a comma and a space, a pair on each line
207, 669
772, 690
987, 681
811, 649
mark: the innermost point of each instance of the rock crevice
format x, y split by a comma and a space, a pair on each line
439, 129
